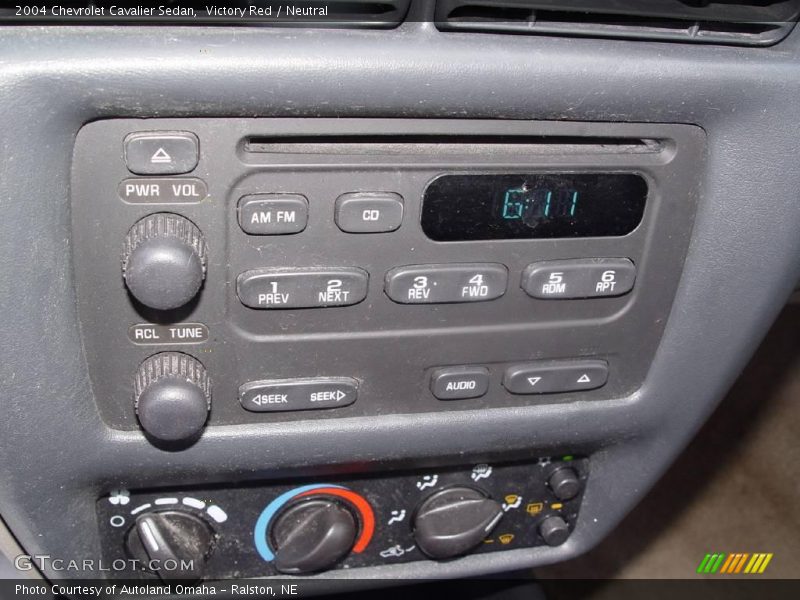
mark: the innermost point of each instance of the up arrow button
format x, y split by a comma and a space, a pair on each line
555, 377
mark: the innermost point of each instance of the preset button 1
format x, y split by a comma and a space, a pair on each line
298, 394
555, 377
431, 284
302, 288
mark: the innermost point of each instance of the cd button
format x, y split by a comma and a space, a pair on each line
369, 212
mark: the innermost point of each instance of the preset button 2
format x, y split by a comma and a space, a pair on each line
430, 284
298, 394
302, 288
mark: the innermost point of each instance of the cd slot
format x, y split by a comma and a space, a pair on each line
436, 144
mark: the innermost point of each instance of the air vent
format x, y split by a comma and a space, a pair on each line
376, 14
740, 22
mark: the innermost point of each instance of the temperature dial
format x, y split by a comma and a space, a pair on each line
313, 527
312, 535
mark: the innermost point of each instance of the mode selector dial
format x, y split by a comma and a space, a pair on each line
455, 520
172, 396
164, 261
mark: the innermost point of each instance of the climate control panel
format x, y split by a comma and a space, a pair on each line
315, 526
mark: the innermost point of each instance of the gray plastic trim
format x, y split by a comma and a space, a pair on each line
56, 455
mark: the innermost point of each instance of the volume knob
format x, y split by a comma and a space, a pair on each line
172, 396
164, 261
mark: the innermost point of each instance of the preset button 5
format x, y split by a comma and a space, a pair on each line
579, 278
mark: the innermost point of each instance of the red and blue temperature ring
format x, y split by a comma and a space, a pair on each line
356, 500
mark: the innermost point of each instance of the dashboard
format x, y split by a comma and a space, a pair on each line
373, 303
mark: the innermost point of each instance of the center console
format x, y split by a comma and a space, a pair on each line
243, 271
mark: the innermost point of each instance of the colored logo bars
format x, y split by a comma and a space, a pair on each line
731, 564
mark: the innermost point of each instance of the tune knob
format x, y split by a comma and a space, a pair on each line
174, 544
164, 261
455, 520
172, 396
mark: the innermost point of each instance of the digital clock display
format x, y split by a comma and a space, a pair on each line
532, 206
